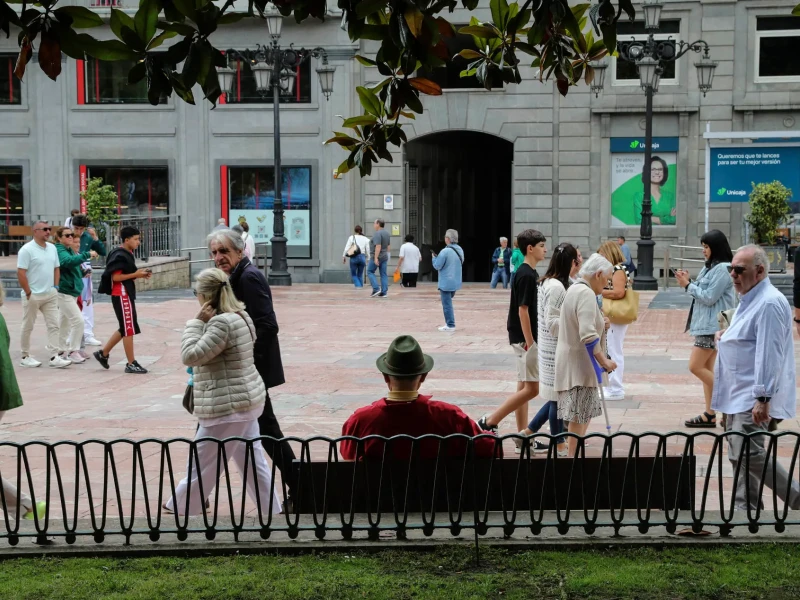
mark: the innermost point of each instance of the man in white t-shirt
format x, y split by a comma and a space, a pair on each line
38, 271
408, 264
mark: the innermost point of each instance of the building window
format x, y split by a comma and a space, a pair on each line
103, 82
250, 192
12, 205
141, 191
778, 49
9, 84
105, 3
625, 72
245, 91
449, 76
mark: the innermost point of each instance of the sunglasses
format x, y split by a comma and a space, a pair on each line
43, 229
72, 235
738, 269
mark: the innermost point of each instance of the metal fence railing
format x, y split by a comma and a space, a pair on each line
680, 258
161, 236
411, 486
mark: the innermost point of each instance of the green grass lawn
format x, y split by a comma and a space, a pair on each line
758, 571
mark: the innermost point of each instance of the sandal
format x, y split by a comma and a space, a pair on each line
698, 422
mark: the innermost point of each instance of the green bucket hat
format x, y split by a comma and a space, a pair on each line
404, 359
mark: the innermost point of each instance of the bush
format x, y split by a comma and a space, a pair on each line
769, 207
101, 204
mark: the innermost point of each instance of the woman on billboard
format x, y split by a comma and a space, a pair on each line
663, 201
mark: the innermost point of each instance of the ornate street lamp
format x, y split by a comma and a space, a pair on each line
649, 56
275, 70
599, 79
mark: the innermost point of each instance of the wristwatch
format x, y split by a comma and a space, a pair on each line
763, 399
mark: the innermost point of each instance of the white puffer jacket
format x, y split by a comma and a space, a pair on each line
220, 353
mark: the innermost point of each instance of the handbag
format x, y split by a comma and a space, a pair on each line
353, 249
396, 276
623, 311
188, 399
725, 317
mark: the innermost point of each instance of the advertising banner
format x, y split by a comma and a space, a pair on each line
734, 170
627, 189
296, 225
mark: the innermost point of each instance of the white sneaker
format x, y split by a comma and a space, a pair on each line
29, 361
446, 328
58, 362
90, 341
76, 357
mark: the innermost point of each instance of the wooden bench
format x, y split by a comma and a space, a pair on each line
15, 235
494, 485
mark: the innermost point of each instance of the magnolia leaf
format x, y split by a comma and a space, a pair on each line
426, 86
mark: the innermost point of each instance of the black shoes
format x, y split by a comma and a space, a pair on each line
485, 426
103, 360
135, 368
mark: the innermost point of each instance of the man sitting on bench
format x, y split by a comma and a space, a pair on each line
405, 411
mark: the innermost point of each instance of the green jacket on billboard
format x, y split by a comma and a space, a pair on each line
661, 208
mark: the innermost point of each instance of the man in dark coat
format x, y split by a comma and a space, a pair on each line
251, 288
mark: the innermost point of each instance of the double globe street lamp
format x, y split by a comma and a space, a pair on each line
275, 70
649, 57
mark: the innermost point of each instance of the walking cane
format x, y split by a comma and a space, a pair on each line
598, 370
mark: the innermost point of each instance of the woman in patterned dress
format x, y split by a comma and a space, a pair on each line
553, 286
581, 331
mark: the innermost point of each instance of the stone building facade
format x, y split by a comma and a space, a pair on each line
486, 162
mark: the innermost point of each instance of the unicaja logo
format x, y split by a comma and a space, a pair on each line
726, 192
721, 191
635, 144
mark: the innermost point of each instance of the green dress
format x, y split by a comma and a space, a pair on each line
10, 396
661, 209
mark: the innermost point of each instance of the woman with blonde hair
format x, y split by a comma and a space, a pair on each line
581, 337
11, 398
615, 290
229, 395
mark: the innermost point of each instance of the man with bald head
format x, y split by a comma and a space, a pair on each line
754, 378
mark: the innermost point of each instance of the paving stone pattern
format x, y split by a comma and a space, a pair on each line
330, 338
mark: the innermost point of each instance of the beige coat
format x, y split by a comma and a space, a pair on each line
581, 321
220, 353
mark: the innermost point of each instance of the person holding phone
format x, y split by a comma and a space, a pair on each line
119, 281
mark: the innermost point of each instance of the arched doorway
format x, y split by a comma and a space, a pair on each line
459, 180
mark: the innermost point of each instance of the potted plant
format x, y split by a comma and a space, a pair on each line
769, 208
101, 206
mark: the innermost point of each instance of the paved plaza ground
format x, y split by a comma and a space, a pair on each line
330, 338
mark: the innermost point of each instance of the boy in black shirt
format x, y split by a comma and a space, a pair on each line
522, 328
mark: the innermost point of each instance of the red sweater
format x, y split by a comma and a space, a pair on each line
416, 418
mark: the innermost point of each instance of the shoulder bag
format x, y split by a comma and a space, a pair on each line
353, 249
623, 311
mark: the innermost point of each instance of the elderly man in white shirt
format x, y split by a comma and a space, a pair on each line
754, 378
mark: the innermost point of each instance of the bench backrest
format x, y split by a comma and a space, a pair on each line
495, 484
20, 231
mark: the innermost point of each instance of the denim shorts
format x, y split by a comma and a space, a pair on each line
705, 341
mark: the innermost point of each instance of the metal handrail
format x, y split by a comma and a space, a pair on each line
671, 485
680, 258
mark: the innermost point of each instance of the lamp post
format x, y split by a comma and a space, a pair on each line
274, 69
649, 56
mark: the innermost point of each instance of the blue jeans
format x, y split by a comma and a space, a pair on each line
548, 412
384, 277
357, 264
498, 274
447, 308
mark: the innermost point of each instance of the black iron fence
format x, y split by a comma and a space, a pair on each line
418, 486
161, 236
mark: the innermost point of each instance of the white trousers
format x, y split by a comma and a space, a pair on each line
70, 324
616, 339
207, 453
10, 493
88, 312
47, 304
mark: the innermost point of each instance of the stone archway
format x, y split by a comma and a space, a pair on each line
461, 180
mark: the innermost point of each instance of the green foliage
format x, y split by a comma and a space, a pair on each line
412, 35
101, 204
769, 207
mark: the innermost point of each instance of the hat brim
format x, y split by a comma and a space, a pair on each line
387, 370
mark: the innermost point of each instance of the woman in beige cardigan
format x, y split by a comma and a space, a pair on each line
228, 397
581, 329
